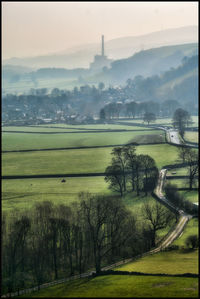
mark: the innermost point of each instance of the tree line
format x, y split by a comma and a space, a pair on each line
130, 172
132, 109
54, 241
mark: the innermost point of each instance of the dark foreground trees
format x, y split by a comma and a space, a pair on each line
157, 217
54, 241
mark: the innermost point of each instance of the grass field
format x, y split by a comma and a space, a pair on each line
23, 141
192, 196
67, 128
192, 136
23, 194
169, 262
76, 161
182, 183
124, 286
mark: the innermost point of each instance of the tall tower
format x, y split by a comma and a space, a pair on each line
102, 45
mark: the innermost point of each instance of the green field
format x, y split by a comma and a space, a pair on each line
124, 286
159, 121
67, 128
182, 183
76, 161
192, 136
192, 196
23, 194
170, 262
23, 141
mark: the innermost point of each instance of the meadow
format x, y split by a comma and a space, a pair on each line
77, 161
23, 141
116, 286
192, 136
168, 262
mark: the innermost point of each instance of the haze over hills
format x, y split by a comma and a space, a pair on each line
81, 56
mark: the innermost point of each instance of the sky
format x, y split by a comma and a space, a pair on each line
34, 28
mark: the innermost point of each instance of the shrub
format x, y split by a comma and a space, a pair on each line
192, 241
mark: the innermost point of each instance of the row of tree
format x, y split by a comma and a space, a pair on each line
54, 241
134, 109
131, 172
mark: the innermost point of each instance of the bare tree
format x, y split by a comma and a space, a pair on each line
150, 172
193, 166
157, 217
181, 120
107, 222
182, 152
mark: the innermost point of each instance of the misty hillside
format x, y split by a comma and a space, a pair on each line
180, 84
147, 63
81, 56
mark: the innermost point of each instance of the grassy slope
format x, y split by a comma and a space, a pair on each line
191, 229
163, 89
171, 262
124, 286
113, 286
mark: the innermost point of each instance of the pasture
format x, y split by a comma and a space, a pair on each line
24, 141
123, 286
22, 194
77, 161
168, 262
192, 136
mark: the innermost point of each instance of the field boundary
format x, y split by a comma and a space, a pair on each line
81, 147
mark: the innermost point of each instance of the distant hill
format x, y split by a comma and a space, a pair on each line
178, 84
147, 63
80, 57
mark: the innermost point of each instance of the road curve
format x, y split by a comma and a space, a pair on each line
184, 218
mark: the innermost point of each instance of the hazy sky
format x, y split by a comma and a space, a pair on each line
34, 28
